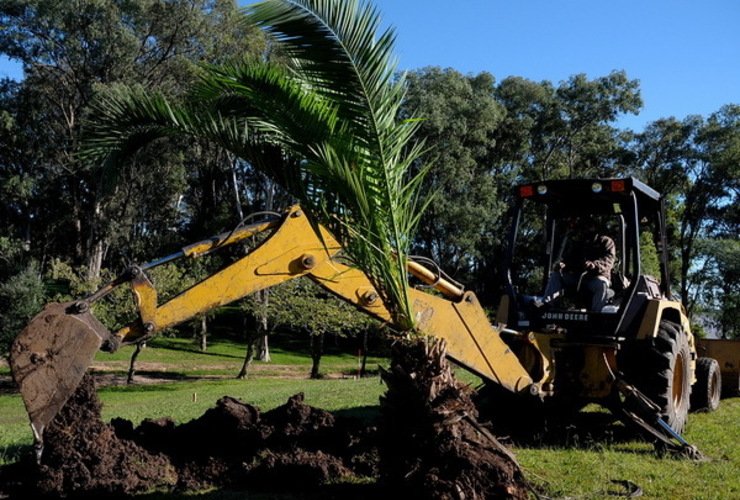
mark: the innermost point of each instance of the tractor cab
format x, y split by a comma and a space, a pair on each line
547, 218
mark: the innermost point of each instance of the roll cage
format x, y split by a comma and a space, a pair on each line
627, 210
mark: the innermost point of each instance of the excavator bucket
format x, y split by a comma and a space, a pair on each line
51, 355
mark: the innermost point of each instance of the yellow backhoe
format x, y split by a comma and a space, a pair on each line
529, 355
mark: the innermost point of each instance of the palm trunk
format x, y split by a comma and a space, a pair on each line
433, 445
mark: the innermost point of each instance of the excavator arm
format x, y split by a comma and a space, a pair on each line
50, 356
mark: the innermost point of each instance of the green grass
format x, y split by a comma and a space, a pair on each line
184, 401
583, 467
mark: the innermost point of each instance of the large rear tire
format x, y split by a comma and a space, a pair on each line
706, 392
665, 374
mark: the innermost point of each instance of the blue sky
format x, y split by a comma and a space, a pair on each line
686, 54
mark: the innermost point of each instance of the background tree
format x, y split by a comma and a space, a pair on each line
460, 118
303, 307
484, 138
73, 51
720, 289
695, 164
21, 294
565, 131
56, 205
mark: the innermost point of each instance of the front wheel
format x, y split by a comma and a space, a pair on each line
705, 394
663, 374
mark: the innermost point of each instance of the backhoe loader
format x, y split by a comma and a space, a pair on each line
638, 360
640, 336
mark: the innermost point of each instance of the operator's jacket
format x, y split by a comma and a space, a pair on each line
598, 249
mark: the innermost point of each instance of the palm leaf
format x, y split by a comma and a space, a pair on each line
333, 45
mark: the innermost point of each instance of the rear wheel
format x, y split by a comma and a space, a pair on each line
705, 393
664, 374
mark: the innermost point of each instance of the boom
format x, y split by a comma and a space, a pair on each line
51, 355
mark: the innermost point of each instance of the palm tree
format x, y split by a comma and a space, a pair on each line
323, 125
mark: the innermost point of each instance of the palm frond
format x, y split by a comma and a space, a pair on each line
335, 48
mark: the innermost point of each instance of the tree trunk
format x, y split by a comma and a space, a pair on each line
95, 259
132, 365
263, 349
235, 186
317, 347
203, 333
256, 339
248, 358
363, 364
96, 244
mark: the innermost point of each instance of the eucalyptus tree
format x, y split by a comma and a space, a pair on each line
324, 126
73, 50
15, 181
565, 130
695, 162
460, 120
485, 137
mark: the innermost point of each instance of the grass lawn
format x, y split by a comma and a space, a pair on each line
583, 467
588, 467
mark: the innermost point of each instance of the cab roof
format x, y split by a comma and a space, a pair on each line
567, 197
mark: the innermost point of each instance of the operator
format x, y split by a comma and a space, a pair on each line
585, 266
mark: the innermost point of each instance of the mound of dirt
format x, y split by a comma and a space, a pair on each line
231, 445
82, 455
428, 445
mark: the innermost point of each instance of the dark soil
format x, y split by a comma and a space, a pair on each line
428, 445
82, 455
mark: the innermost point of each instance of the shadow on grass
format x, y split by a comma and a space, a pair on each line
280, 343
368, 414
328, 492
584, 430
192, 348
14, 452
8, 385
